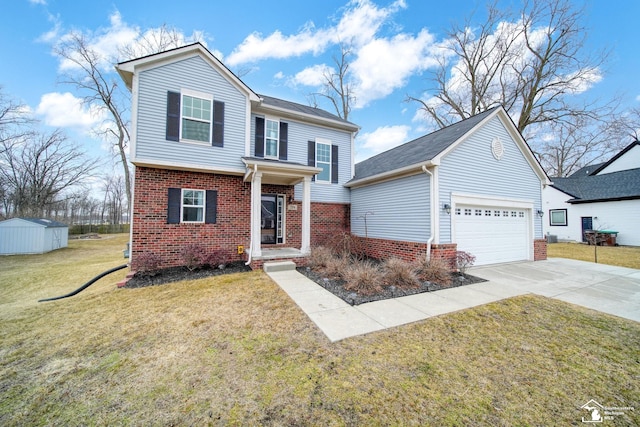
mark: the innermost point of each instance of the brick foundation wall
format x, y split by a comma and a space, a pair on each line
540, 249
385, 249
445, 252
329, 220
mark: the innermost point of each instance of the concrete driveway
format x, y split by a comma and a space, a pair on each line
609, 289
606, 288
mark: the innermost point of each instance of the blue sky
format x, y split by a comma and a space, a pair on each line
279, 46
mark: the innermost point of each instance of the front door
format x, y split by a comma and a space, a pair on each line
587, 224
272, 221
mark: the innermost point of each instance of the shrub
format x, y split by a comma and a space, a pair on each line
464, 260
214, 259
344, 244
319, 257
400, 273
146, 263
336, 266
435, 270
363, 278
193, 256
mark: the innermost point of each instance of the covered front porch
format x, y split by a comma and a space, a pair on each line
272, 238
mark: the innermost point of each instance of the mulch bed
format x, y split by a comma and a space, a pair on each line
175, 274
336, 287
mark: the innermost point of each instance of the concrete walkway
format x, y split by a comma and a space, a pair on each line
610, 289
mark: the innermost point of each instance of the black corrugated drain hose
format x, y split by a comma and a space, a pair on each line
86, 285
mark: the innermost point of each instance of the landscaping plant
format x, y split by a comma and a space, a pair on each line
464, 260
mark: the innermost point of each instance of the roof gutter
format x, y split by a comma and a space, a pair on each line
413, 169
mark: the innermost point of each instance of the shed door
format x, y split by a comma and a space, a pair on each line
493, 234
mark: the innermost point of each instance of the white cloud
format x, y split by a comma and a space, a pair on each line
65, 110
381, 139
312, 76
42, 2
638, 98
54, 33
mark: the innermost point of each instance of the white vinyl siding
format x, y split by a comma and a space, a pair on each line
394, 210
198, 76
471, 168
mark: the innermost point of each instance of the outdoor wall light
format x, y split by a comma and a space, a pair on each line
540, 213
447, 208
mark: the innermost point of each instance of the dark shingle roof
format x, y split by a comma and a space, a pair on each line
611, 186
419, 150
300, 108
587, 170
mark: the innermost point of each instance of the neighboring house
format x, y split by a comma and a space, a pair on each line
474, 186
219, 165
605, 196
32, 236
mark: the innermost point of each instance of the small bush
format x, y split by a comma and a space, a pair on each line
400, 273
319, 257
363, 278
336, 266
193, 256
345, 244
146, 263
214, 259
464, 260
435, 270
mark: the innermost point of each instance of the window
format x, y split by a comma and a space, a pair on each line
487, 212
457, 211
196, 118
323, 160
271, 137
558, 217
187, 205
322, 154
496, 213
479, 212
520, 214
467, 212
192, 205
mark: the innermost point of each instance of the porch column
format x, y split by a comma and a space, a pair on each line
306, 216
256, 214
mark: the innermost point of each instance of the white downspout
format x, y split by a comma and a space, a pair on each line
249, 259
431, 214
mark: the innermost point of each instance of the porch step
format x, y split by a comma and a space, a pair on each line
270, 267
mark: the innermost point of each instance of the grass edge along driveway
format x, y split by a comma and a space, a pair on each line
234, 350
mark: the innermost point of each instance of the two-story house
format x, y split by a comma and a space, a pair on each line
219, 165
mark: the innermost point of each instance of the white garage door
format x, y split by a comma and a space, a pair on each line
493, 234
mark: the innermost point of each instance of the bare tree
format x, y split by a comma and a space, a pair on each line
533, 62
37, 171
337, 87
99, 91
13, 120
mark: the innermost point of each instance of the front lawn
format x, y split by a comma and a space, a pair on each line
623, 256
235, 350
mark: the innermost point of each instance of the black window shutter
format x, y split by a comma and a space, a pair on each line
311, 156
334, 164
173, 116
284, 137
211, 207
218, 124
259, 149
173, 206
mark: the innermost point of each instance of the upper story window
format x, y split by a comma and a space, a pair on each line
271, 138
196, 118
323, 160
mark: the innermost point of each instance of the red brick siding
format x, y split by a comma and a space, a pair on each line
540, 249
445, 252
151, 233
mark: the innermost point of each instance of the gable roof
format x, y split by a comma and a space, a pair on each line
428, 150
585, 170
614, 186
38, 221
616, 157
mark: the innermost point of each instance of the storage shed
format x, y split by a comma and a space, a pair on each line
32, 236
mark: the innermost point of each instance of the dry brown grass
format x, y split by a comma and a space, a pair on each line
235, 350
623, 256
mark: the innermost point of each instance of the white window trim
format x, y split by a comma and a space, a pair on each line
182, 206
201, 95
268, 119
325, 142
551, 223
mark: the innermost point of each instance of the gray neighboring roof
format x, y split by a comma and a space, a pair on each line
300, 108
616, 157
621, 185
39, 221
419, 150
587, 170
